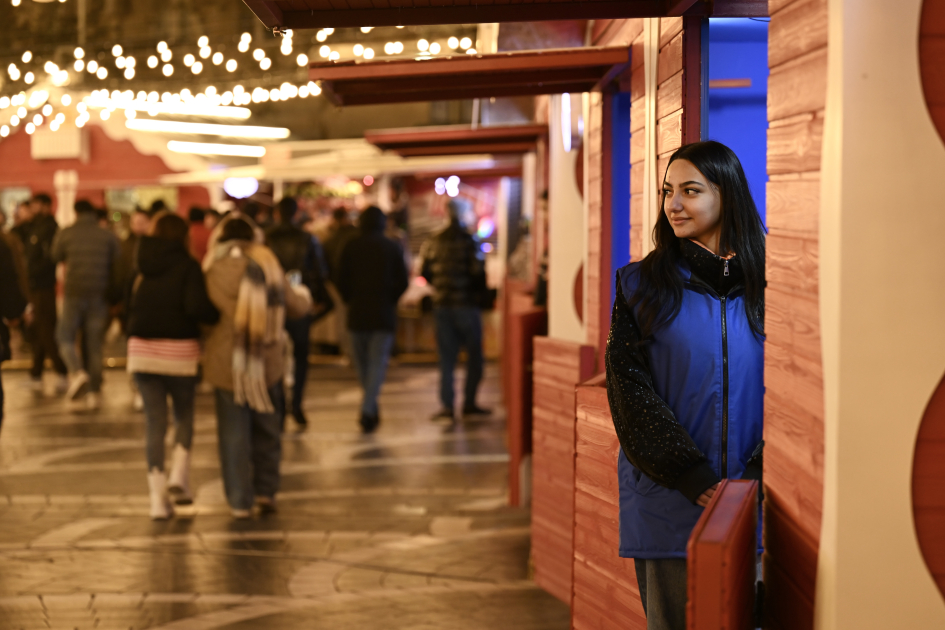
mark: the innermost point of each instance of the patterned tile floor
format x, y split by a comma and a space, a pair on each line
405, 529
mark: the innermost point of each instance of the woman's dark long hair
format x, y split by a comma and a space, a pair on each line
659, 295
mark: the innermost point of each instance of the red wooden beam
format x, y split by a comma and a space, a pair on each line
461, 140
468, 76
305, 14
695, 89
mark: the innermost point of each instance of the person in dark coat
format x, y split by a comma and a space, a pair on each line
12, 304
685, 368
371, 279
90, 254
167, 304
451, 262
37, 235
298, 252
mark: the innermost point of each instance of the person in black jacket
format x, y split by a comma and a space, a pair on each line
12, 304
301, 256
166, 305
452, 264
371, 279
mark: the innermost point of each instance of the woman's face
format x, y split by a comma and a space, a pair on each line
692, 204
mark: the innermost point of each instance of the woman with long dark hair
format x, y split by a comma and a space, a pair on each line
685, 367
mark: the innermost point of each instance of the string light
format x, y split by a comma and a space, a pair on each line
79, 53
369, 53
322, 35
217, 58
367, 29
14, 120
243, 45
324, 51
104, 114
129, 73
358, 50
4, 131
166, 55
302, 60
4, 102
170, 105
130, 62
152, 61
161, 47
203, 41
47, 109
92, 67
434, 48
189, 60
29, 77
116, 50
266, 63
15, 3
205, 52
167, 70
258, 54
120, 62
21, 112
79, 65
197, 68
27, 57
231, 65
471, 51
102, 72
423, 45
66, 100
30, 128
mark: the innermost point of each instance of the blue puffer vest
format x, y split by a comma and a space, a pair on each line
686, 360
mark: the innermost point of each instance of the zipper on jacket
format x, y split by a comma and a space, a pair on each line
726, 269
724, 457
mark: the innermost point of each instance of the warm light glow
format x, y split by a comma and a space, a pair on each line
129, 73
30, 77
471, 51
105, 114
266, 63
367, 29
275, 95
453, 43
302, 60
47, 109
27, 57
209, 148
231, 65
369, 53
92, 67
243, 46
465, 42
14, 120
130, 62
368, 180
119, 62
65, 100
240, 187
246, 37
334, 56
15, 3
54, 125
116, 50
258, 54
161, 47
358, 50
30, 128
205, 52
303, 91
38, 120
21, 112
327, 30
167, 70
189, 60
423, 44
434, 48
169, 106
152, 61
207, 129
217, 58
197, 68
314, 89
321, 36
324, 51
79, 65
4, 131
167, 55
4, 102
130, 114
203, 41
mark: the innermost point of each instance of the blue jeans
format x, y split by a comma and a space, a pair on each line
90, 315
298, 330
154, 389
371, 349
663, 589
250, 448
457, 327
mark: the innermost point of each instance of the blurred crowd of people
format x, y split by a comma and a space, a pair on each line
227, 300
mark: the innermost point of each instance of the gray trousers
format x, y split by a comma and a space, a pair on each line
663, 589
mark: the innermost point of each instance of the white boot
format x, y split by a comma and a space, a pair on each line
179, 480
160, 507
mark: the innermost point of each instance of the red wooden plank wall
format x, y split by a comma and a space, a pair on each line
722, 552
605, 586
794, 429
559, 366
637, 122
928, 472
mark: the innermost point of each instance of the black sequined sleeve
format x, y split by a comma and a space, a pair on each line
649, 434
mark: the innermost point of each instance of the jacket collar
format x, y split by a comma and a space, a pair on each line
706, 268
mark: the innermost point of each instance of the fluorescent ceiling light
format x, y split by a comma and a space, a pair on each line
209, 148
227, 131
180, 109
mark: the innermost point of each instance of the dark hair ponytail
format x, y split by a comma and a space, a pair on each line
659, 295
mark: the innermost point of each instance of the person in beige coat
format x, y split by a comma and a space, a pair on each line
243, 360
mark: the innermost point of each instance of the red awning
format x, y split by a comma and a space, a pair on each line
460, 140
301, 14
469, 76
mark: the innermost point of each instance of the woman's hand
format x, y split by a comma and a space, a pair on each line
703, 499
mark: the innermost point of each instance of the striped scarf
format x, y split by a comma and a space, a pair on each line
257, 322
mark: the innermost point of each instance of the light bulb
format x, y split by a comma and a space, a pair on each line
92, 67
30, 77
334, 56
189, 60
367, 29
4, 131
358, 50
130, 114
217, 58
327, 30
116, 50
258, 54
266, 63
465, 42
166, 55
423, 44
471, 51
15, 3
119, 62
79, 53
47, 109
324, 51
27, 56
54, 125
66, 100
389, 48
231, 65
243, 45
302, 60
14, 120
152, 61
21, 112
369, 53
399, 46
30, 128
203, 41
4, 102
129, 73
321, 36
130, 62
79, 65
105, 114
246, 37
303, 92
435, 48
168, 70
275, 95
205, 52
197, 68
452, 42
